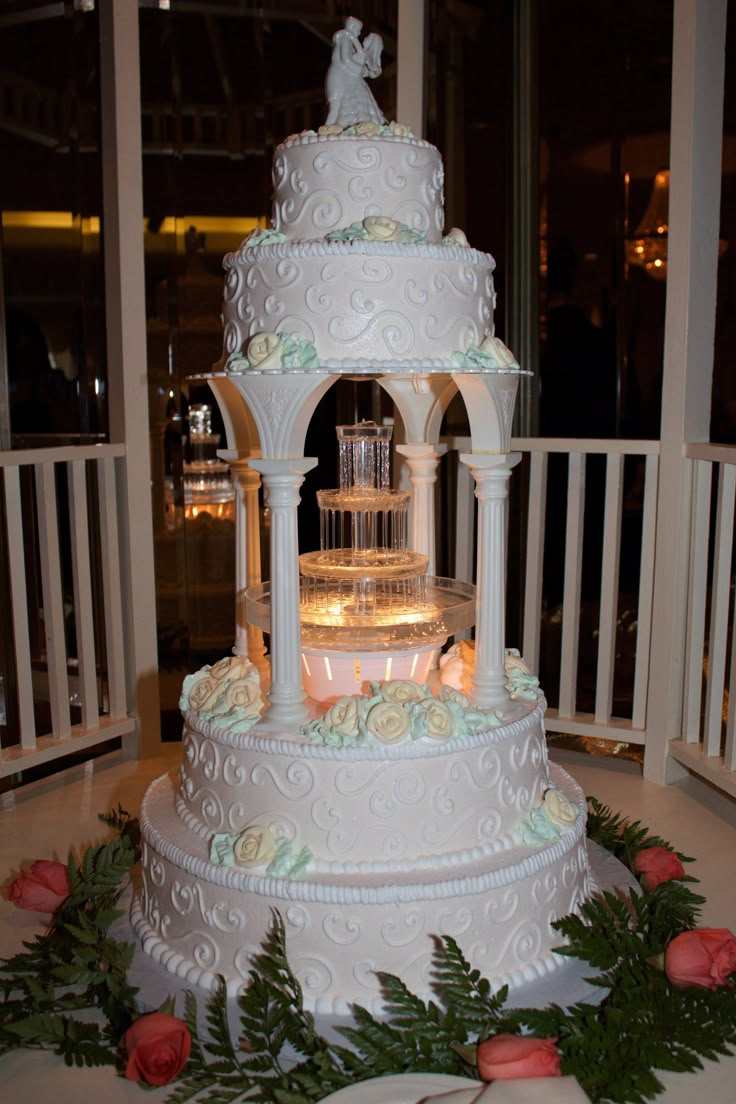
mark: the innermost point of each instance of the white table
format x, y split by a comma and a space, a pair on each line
45, 819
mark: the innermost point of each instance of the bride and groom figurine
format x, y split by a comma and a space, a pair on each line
349, 98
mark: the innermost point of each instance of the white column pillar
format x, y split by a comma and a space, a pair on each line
423, 461
281, 481
125, 317
411, 54
491, 473
248, 638
696, 133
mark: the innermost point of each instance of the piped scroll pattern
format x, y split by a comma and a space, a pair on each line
378, 301
503, 924
326, 181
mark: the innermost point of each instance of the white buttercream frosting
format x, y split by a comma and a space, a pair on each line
324, 181
372, 303
202, 919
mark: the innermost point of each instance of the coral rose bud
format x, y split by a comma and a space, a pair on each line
704, 957
657, 865
158, 1047
506, 1057
43, 889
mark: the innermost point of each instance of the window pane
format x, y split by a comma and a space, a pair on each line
50, 203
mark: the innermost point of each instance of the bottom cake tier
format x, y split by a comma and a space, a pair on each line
202, 920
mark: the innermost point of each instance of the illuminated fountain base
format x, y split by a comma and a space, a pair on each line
368, 610
327, 675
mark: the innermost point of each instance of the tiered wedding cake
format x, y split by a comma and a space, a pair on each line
403, 808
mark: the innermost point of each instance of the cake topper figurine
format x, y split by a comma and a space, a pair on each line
349, 98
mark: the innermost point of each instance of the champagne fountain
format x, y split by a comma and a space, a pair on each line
368, 610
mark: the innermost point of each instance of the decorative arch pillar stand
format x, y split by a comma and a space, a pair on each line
282, 480
489, 400
280, 405
491, 474
421, 401
423, 461
246, 482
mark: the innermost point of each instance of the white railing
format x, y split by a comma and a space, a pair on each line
707, 744
54, 534
598, 720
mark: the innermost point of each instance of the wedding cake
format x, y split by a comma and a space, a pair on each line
397, 809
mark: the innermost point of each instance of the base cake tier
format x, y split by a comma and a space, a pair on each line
494, 888
375, 809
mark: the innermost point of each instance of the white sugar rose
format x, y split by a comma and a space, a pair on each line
245, 695
232, 667
452, 672
203, 691
457, 236
342, 716
264, 351
255, 846
440, 721
452, 694
514, 662
559, 810
382, 228
401, 690
457, 666
388, 722
500, 353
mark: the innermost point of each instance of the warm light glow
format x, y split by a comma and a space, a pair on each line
219, 511
306, 666
414, 666
328, 669
388, 669
34, 228
49, 220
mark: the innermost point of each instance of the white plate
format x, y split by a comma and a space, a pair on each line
400, 1088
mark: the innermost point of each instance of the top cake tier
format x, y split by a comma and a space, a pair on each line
325, 182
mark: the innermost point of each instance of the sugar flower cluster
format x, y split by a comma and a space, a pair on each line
357, 130
272, 352
259, 846
547, 823
228, 691
398, 711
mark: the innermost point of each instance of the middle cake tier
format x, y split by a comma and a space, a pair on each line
371, 809
362, 304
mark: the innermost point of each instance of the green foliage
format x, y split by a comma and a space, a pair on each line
276, 1056
622, 837
74, 967
125, 825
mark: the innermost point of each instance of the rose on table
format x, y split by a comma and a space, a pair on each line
158, 1046
506, 1057
43, 889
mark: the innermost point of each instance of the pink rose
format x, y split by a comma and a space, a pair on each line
704, 956
158, 1047
658, 865
43, 890
505, 1057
